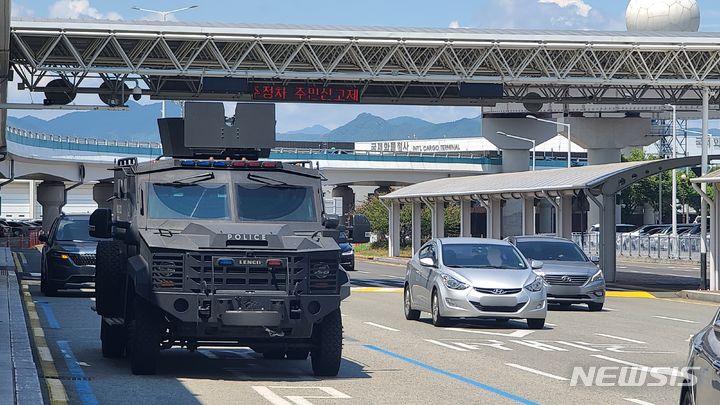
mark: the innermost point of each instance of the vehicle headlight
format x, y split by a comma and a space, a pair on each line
347, 252
453, 283
597, 276
536, 285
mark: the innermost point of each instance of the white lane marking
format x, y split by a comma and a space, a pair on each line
493, 343
550, 324
673, 319
539, 345
44, 353
638, 401
538, 372
446, 345
38, 332
639, 272
391, 276
680, 275
377, 325
577, 345
608, 309
274, 398
517, 334
659, 370
362, 272
622, 338
622, 267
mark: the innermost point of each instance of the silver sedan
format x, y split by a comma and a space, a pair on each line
572, 277
474, 278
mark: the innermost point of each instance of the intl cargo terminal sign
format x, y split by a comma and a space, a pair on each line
298, 93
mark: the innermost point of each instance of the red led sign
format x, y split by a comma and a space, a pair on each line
303, 93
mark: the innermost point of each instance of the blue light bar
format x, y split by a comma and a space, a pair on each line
203, 163
187, 163
221, 163
225, 262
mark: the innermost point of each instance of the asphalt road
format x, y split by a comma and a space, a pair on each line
388, 360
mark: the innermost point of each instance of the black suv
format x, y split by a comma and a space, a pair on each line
68, 256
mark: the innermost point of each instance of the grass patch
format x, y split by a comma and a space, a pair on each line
367, 250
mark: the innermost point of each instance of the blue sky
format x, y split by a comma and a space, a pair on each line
519, 14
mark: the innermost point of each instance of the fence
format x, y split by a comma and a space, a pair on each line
678, 247
21, 241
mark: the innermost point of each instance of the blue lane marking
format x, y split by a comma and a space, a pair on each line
454, 376
81, 385
52, 322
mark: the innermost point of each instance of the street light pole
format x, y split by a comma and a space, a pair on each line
522, 139
163, 15
569, 152
674, 171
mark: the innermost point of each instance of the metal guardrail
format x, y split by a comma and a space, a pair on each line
648, 246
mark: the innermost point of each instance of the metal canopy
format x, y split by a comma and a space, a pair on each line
607, 179
389, 65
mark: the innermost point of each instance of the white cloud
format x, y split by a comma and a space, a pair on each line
18, 10
79, 9
454, 24
581, 8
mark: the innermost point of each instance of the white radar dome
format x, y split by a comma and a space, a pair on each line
663, 15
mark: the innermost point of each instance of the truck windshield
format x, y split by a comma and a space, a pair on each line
275, 203
183, 201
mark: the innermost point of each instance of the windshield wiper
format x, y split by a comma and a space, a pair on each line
194, 179
267, 180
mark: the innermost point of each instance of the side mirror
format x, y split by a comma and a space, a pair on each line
360, 231
536, 264
101, 223
331, 221
43, 238
427, 262
595, 259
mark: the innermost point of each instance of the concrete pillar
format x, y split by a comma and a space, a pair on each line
394, 229
607, 241
51, 195
32, 198
494, 219
529, 216
102, 192
416, 225
348, 198
545, 217
465, 218
648, 214
515, 160
437, 219
564, 218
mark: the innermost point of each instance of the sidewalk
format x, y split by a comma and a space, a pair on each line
19, 382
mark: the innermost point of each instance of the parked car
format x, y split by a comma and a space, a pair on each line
347, 253
703, 386
571, 277
8, 230
68, 255
474, 278
619, 228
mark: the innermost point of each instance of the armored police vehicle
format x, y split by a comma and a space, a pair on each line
216, 245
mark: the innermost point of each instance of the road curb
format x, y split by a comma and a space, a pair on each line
55, 390
697, 295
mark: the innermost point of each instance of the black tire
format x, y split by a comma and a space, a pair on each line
46, 288
595, 307
114, 340
410, 314
327, 353
437, 318
686, 397
297, 354
536, 323
274, 354
110, 279
145, 338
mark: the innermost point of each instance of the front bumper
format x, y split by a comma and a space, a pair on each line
588, 293
470, 303
63, 273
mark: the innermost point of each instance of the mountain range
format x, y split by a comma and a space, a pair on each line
140, 124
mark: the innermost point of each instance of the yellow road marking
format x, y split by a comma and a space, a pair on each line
629, 294
376, 289
57, 391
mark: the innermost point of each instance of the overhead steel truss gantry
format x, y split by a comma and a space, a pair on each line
388, 65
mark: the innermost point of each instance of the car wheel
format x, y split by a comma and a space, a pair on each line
46, 288
595, 307
410, 314
327, 353
437, 318
535, 323
297, 354
110, 265
686, 397
145, 338
113, 339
